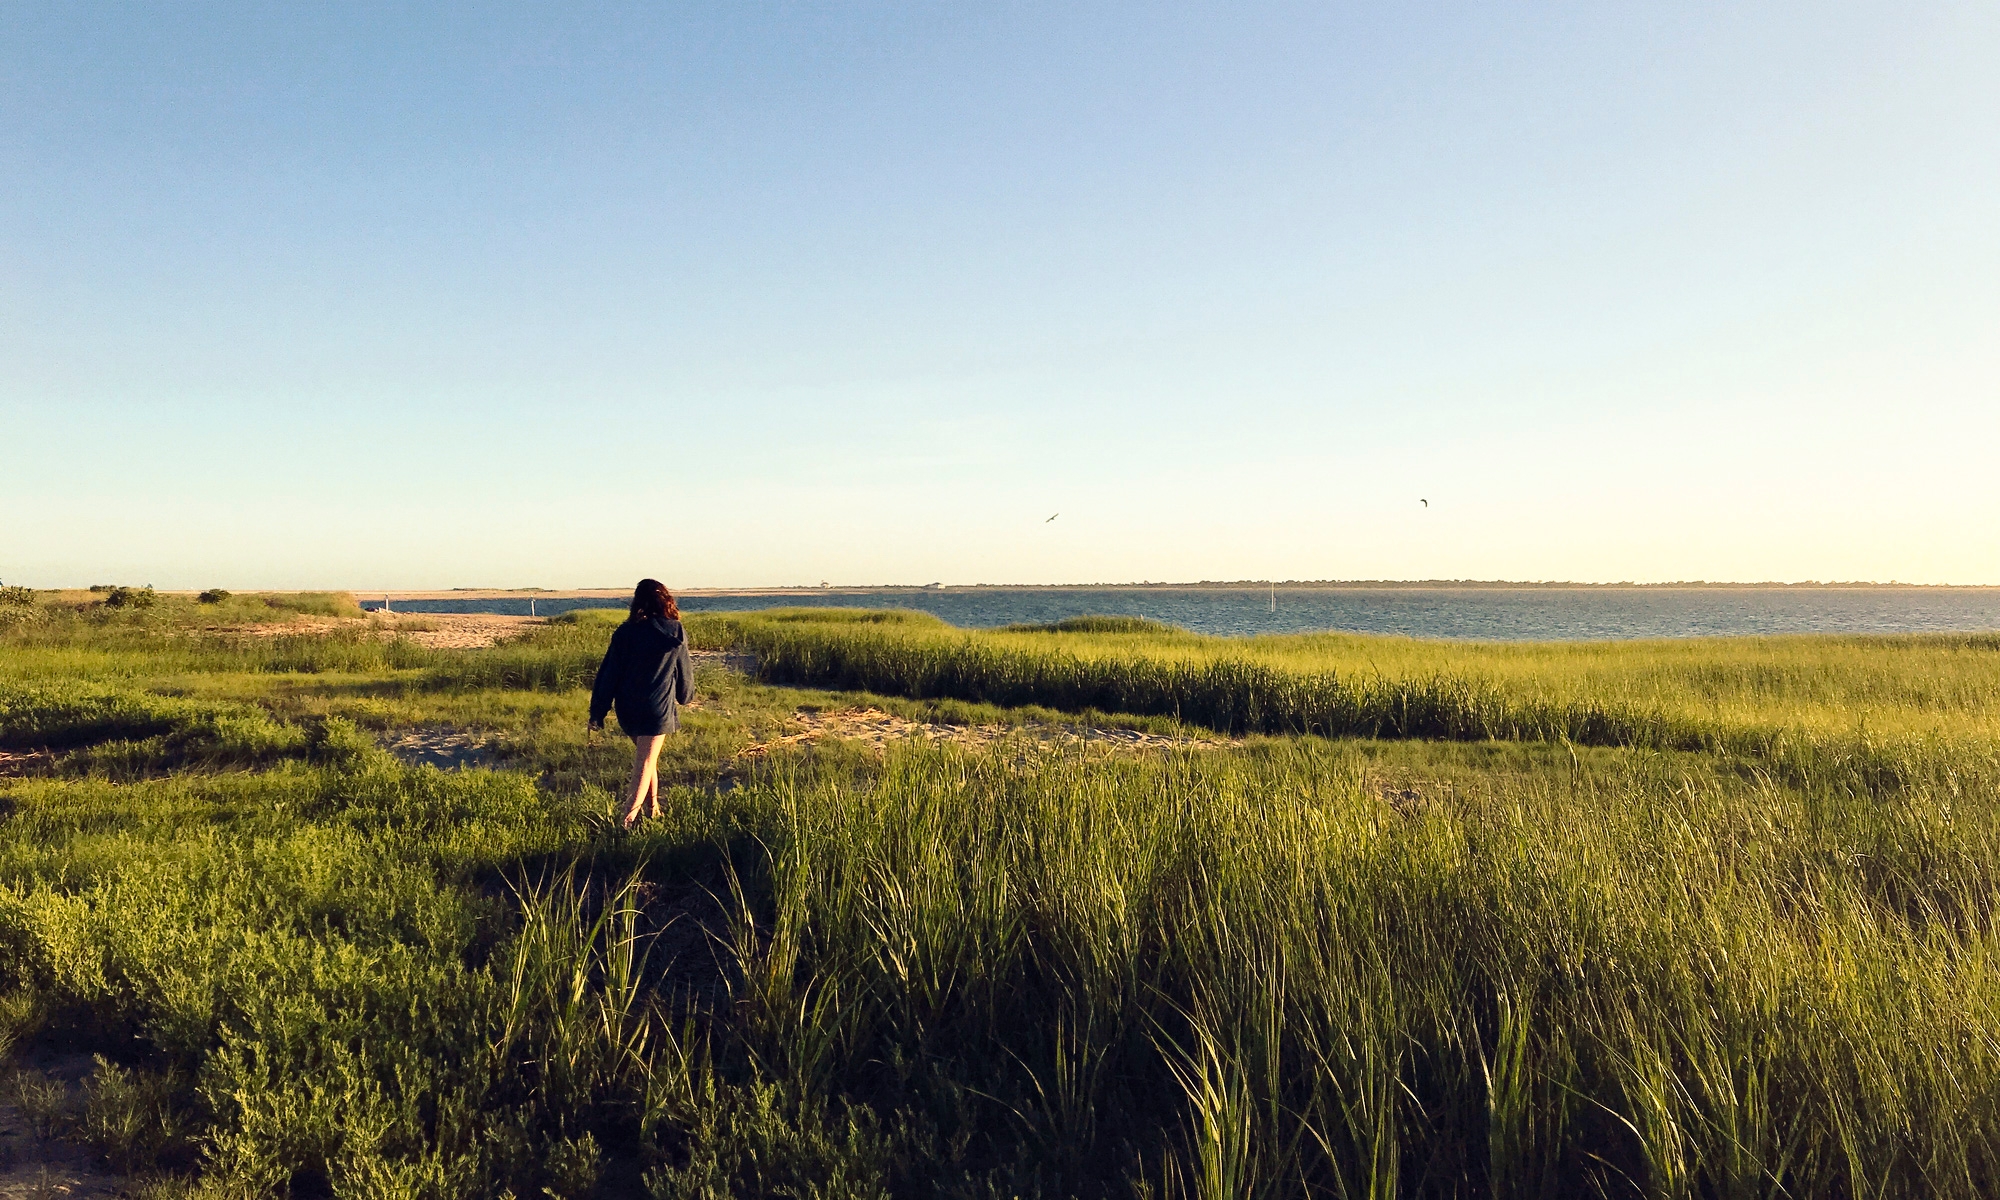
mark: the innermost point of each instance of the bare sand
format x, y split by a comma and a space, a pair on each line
877, 730
441, 631
36, 1160
15, 763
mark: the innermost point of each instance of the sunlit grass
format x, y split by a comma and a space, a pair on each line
1764, 695
1706, 919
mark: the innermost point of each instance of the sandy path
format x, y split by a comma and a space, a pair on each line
36, 1159
15, 763
440, 631
456, 631
878, 730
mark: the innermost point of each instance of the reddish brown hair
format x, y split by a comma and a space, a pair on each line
652, 599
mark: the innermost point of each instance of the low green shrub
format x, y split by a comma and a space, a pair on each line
21, 1016
760, 1139
45, 1101
131, 1117
126, 733
212, 596
18, 608
128, 597
59, 717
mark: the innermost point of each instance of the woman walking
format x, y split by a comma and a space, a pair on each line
646, 674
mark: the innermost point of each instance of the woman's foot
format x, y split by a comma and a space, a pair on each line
632, 816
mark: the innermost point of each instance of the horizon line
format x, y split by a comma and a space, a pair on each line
1380, 584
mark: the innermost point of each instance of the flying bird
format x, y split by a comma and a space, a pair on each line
1425, 503
1052, 518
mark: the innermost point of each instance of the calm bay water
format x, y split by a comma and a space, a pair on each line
1490, 614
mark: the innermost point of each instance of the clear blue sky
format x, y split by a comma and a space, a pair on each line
402, 296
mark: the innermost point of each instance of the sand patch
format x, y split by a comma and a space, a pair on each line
458, 631
439, 631
444, 631
878, 730
39, 1105
440, 746
16, 763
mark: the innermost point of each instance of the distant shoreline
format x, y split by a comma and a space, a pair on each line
1294, 585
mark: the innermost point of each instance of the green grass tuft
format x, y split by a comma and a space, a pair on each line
1090, 624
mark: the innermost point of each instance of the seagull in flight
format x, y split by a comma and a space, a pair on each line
1052, 518
1425, 503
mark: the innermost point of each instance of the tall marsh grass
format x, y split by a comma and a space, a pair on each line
1240, 976
1795, 698
1745, 946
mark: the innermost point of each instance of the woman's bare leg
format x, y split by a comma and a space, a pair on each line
645, 774
653, 797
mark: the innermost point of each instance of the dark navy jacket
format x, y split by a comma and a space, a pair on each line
646, 672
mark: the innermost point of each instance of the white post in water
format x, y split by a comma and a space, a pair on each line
1274, 595
531, 606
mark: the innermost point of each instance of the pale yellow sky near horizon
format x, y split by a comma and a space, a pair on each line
400, 297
